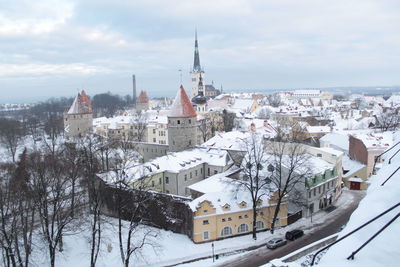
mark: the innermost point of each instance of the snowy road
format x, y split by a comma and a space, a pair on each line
333, 223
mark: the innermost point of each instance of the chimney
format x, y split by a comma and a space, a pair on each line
134, 89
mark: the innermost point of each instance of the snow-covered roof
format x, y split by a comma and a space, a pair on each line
318, 129
221, 190
182, 106
351, 166
228, 140
330, 150
383, 250
337, 140
376, 140
175, 162
242, 104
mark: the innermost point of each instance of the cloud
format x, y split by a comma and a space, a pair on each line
33, 17
243, 44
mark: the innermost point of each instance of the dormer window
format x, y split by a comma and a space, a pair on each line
226, 207
243, 204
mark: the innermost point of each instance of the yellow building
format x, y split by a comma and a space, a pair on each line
218, 213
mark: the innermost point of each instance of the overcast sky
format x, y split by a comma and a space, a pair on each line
55, 47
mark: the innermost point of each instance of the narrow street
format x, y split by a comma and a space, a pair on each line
332, 225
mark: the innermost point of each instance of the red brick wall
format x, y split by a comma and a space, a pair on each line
357, 150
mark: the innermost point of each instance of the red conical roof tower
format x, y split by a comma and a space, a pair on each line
182, 106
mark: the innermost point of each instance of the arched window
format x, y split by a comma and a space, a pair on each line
243, 228
259, 225
226, 231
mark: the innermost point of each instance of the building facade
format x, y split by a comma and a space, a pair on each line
78, 120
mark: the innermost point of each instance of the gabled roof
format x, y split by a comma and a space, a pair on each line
81, 104
143, 98
182, 107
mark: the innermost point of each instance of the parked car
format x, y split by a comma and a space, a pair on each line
275, 242
294, 234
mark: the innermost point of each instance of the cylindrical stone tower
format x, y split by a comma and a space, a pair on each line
182, 123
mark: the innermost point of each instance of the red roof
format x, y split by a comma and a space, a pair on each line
81, 104
182, 107
143, 98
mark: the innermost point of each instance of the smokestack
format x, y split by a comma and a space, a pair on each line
134, 89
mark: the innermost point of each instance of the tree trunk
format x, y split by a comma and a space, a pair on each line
254, 221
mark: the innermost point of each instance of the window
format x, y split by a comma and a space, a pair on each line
167, 191
190, 142
152, 183
179, 122
201, 170
196, 172
226, 231
154, 140
190, 121
208, 171
315, 192
309, 194
319, 155
205, 235
259, 225
166, 180
324, 188
223, 220
193, 79
185, 177
319, 190
240, 217
229, 219
205, 211
243, 228
205, 222
159, 180
246, 216
215, 171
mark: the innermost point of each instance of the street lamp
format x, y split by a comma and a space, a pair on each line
212, 245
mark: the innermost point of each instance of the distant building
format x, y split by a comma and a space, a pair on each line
78, 120
143, 102
365, 148
200, 101
197, 71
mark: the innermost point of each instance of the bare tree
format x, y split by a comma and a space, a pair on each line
290, 169
10, 135
274, 100
90, 147
130, 207
17, 213
9, 222
52, 194
388, 120
254, 179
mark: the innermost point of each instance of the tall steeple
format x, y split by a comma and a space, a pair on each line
196, 64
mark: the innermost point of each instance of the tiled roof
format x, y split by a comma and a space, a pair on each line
182, 107
81, 104
143, 98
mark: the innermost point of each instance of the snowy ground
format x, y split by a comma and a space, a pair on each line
170, 248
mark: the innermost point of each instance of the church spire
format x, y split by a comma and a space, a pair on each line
196, 64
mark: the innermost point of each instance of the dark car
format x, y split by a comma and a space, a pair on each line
275, 242
294, 234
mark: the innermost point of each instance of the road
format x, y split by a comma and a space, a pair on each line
332, 225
